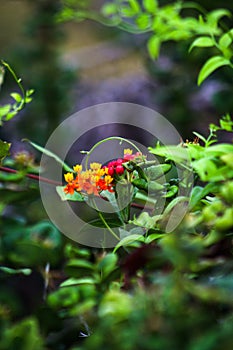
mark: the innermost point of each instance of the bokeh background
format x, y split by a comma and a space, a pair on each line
75, 65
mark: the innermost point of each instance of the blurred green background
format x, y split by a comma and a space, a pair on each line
75, 65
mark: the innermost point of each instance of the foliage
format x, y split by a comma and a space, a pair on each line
145, 289
10, 110
167, 23
158, 289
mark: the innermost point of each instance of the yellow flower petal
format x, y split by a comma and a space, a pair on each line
69, 177
108, 179
128, 151
78, 168
95, 166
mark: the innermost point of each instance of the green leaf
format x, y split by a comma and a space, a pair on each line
142, 197
153, 237
50, 154
141, 184
4, 149
15, 271
109, 9
150, 5
127, 11
80, 263
11, 115
175, 153
28, 99
4, 110
220, 149
226, 123
134, 5
154, 186
143, 21
153, 46
107, 264
199, 192
128, 240
24, 334
78, 268
226, 39
77, 281
214, 16
205, 168
155, 171
16, 96
204, 41
201, 137
11, 177
210, 66
30, 92
146, 221
173, 203
110, 196
228, 159
76, 197
171, 192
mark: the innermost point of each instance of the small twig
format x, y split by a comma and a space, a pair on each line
31, 176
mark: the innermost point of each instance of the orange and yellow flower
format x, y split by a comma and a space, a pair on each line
99, 178
91, 181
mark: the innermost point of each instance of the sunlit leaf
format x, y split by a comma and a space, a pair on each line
153, 46
214, 16
4, 149
150, 5
11, 271
16, 96
77, 281
226, 39
4, 110
210, 66
203, 41
199, 192
128, 240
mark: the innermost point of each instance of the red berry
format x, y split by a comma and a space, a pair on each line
119, 169
110, 170
110, 164
119, 161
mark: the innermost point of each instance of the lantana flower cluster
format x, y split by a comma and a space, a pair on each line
98, 178
91, 181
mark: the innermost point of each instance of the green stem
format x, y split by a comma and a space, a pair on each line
104, 221
18, 82
107, 226
108, 139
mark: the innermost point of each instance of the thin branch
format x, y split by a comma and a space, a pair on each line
31, 176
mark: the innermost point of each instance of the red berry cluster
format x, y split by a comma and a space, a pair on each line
116, 167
